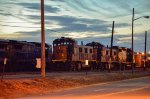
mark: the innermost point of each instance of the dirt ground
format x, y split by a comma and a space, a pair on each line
31, 84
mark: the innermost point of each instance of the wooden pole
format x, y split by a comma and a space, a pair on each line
42, 41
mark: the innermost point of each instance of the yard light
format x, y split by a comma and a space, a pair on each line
133, 19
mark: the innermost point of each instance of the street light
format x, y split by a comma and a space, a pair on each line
142, 17
133, 19
42, 41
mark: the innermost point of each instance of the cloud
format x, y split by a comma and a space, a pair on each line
120, 25
36, 6
73, 24
75, 27
58, 0
20, 26
5, 14
16, 36
31, 33
85, 20
139, 40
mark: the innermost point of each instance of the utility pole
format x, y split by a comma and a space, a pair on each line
112, 37
43, 41
145, 50
132, 42
133, 19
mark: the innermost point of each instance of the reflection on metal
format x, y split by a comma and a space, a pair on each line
86, 62
38, 63
5, 61
3, 73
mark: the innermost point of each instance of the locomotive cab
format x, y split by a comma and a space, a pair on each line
70, 56
63, 49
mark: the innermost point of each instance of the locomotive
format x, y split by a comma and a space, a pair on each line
68, 55
48, 51
21, 55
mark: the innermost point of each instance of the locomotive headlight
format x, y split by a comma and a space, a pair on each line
143, 53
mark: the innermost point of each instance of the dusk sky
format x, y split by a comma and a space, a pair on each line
83, 20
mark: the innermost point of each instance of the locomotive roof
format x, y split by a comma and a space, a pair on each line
38, 44
95, 44
64, 39
3, 40
19, 42
124, 48
129, 49
115, 47
84, 46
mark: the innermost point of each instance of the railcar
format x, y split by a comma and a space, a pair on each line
37, 51
48, 53
101, 54
67, 55
118, 59
20, 56
140, 61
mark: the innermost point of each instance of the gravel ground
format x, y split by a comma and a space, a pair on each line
19, 85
